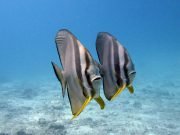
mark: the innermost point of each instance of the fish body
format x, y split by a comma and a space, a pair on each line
116, 65
80, 74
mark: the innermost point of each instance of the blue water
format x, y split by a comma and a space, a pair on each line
31, 100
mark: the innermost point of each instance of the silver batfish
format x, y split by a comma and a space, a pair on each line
118, 70
80, 74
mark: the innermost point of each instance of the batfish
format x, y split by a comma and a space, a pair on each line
117, 68
80, 75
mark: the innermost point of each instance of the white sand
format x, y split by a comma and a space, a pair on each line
40, 110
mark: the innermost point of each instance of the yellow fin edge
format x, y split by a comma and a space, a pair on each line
82, 107
118, 92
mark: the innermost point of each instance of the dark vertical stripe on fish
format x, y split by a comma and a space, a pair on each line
87, 74
125, 67
117, 64
109, 52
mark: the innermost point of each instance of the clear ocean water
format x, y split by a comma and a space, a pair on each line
31, 100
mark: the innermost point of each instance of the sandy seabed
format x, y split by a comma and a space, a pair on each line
39, 109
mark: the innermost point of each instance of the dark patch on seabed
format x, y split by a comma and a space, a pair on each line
41, 110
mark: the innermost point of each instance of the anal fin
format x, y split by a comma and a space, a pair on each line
82, 107
118, 92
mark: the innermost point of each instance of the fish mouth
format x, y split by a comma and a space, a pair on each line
95, 78
132, 72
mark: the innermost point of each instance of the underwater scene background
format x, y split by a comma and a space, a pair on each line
31, 100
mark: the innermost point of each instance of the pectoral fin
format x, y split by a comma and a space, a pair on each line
100, 101
131, 89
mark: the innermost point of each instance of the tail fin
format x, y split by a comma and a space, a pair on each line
60, 76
